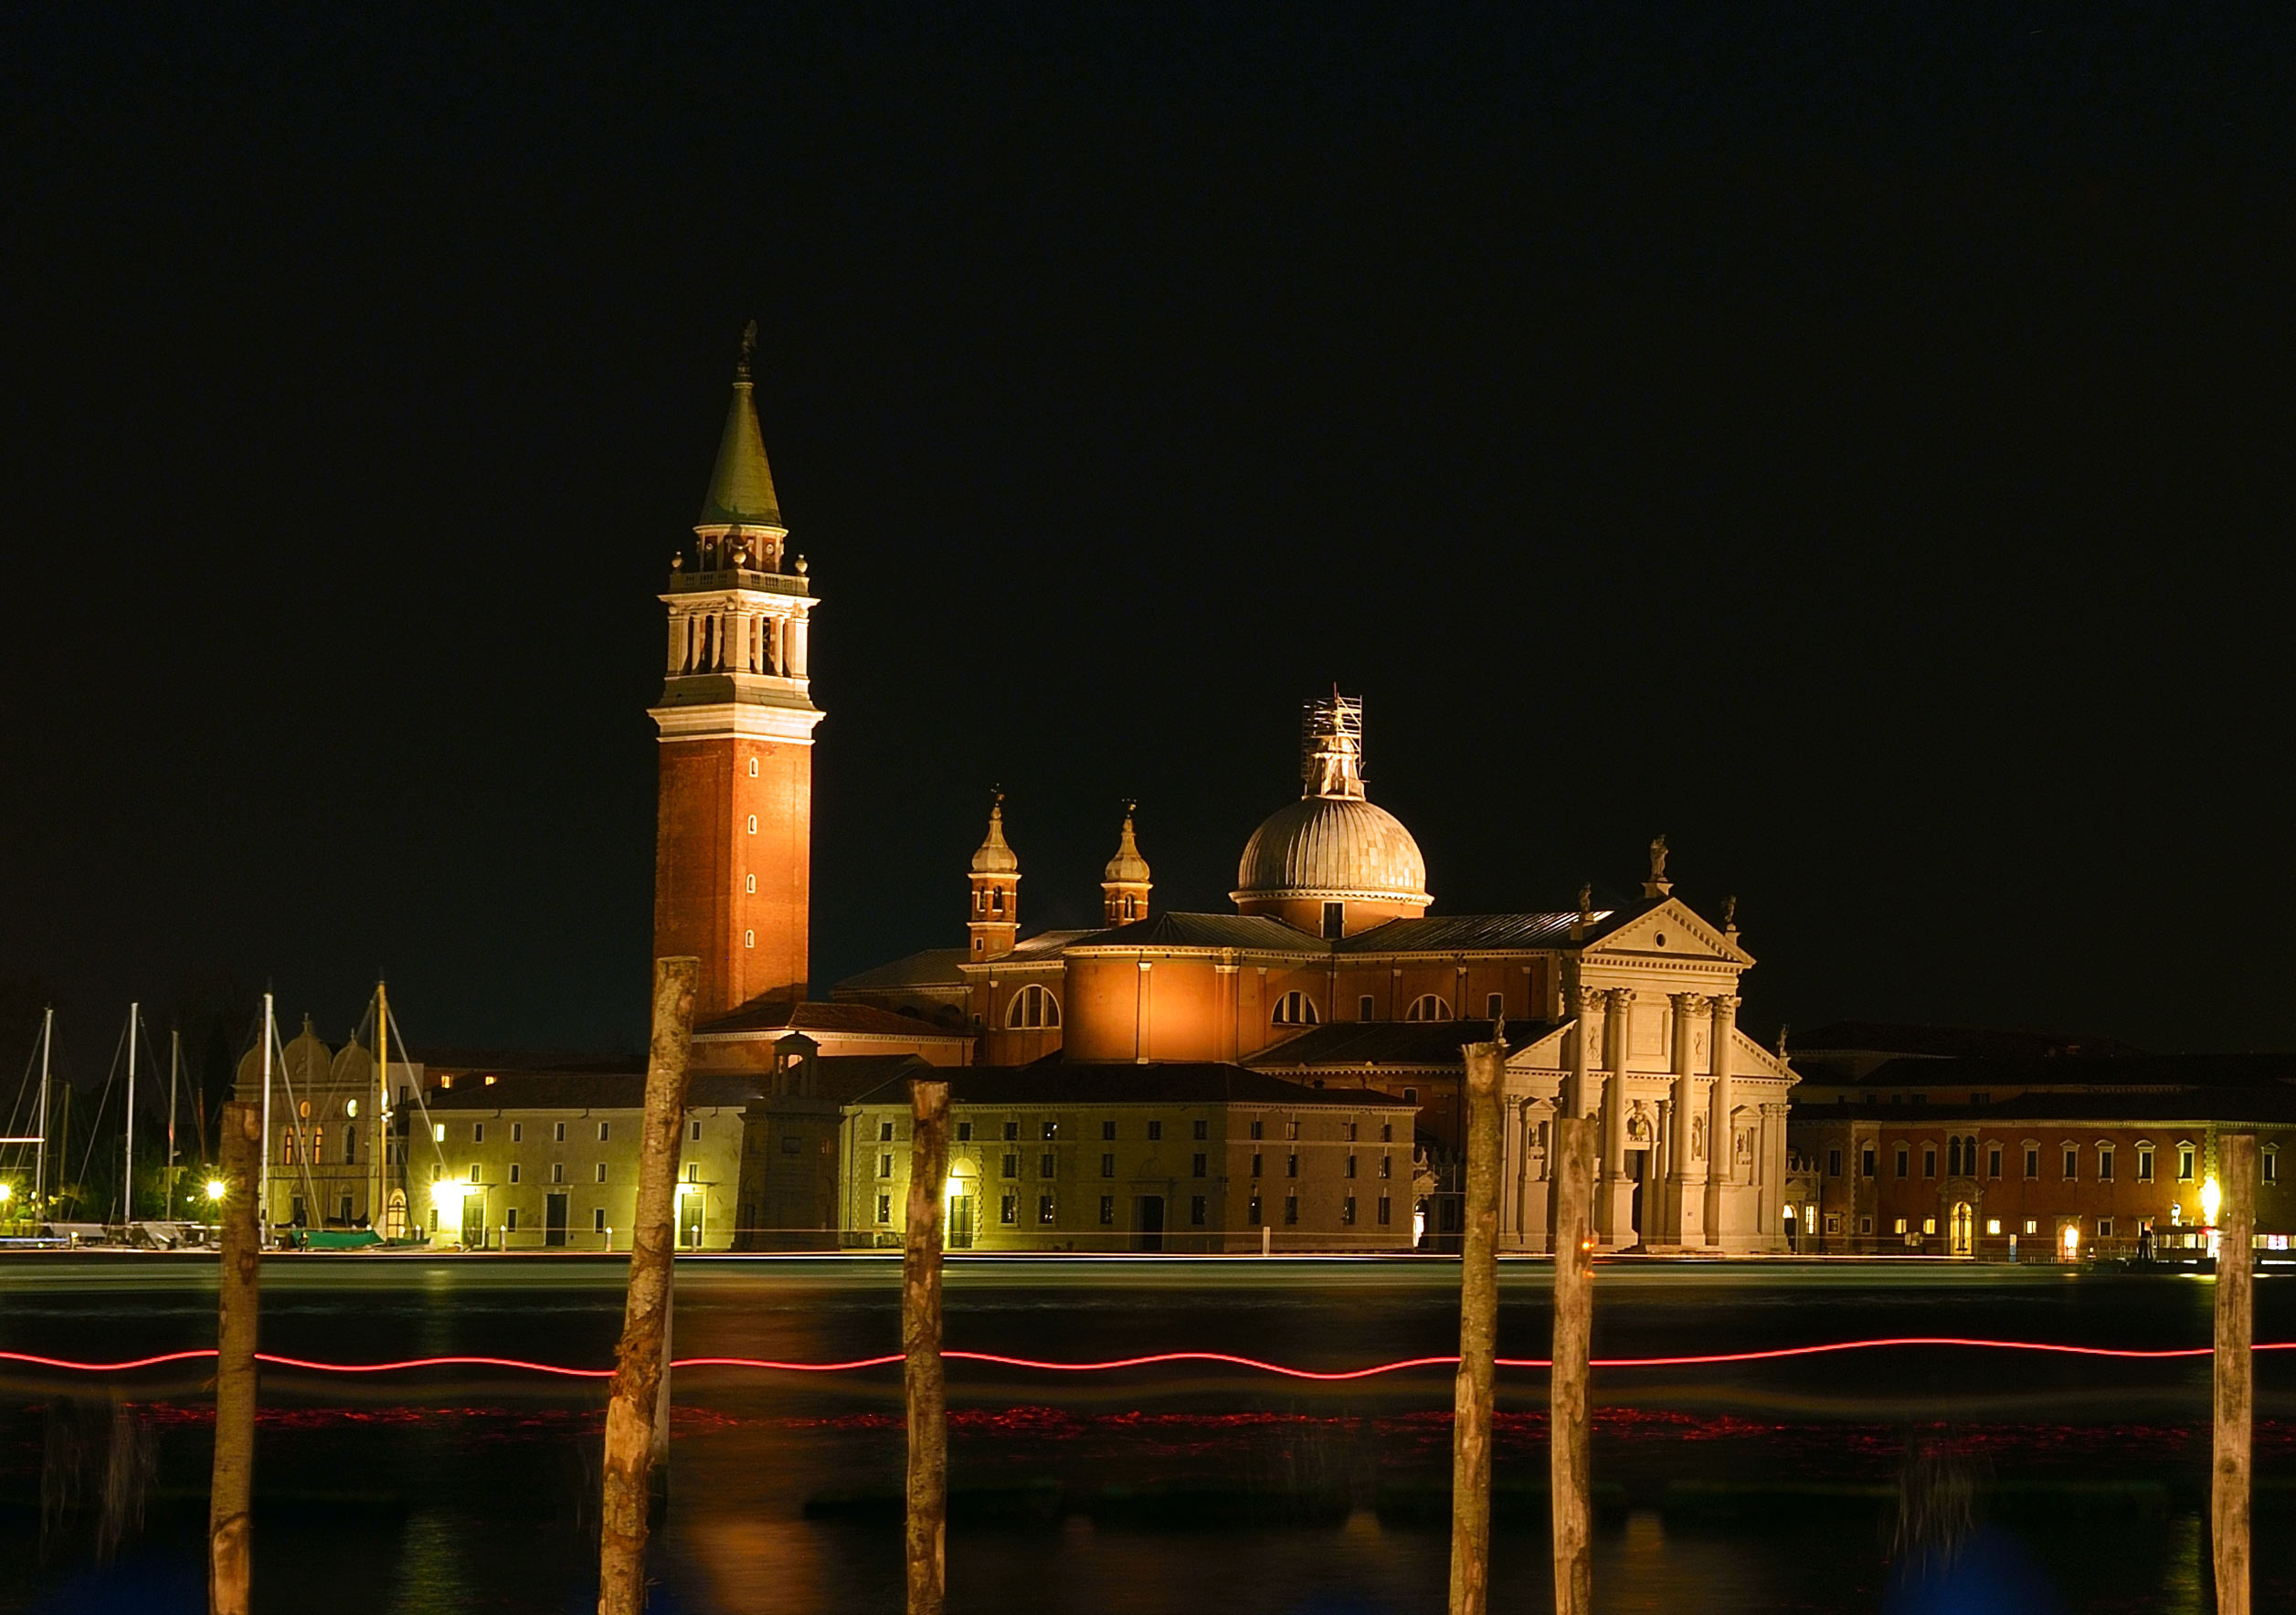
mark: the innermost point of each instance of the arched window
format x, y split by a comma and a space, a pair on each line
1429, 1007
996, 900
350, 1146
750, 885
753, 823
1031, 1007
1131, 906
1294, 1010
1954, 1157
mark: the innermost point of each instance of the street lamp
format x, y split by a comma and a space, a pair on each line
2211, 1197
216, 1189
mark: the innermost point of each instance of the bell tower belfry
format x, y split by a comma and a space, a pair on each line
994, 924
733, 850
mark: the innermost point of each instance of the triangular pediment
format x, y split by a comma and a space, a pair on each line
1670, 929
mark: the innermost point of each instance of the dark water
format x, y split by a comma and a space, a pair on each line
1755, 1487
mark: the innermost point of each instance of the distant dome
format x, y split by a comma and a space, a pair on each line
1332, 847
995, 857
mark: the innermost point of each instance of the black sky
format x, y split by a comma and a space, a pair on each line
1855, 445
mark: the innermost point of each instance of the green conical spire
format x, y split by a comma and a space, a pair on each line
741, 487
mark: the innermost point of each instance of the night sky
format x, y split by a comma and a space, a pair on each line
1857, 448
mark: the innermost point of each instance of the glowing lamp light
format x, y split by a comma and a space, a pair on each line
2211, 1197
687, 1188
217, 1189
7, 1193
448, 1195
2072, 1241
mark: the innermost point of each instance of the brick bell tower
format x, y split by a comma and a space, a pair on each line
733, 848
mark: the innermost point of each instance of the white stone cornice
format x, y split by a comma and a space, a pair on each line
791, 725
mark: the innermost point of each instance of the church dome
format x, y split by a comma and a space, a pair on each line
995, 856
1332, 847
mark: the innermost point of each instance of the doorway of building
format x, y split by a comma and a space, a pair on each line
1150, 1222
960, 1222
1638, 1174
474, 1222
554, 1221
690, 1221
1960, 1229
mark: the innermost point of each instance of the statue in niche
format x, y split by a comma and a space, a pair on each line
1698, 1138
1638, 1123
1537, 1153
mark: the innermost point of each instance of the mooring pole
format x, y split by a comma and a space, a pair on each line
230, 1545
1478, 1338
1571, 1479
2228, 1495
922, 1386
633, 1410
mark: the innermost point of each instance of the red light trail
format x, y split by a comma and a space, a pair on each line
1153, 1360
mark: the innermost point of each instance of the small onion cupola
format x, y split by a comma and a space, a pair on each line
995, 920
1124, 884
1331, 863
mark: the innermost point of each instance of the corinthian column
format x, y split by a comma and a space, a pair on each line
1721, 1151
1617, 1026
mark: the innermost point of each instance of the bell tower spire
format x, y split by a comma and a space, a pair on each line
733, 838
1124, 884
995, 922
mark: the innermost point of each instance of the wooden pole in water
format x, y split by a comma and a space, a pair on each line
230, 1547
631, 1412
1570, 1471
922, 1386
2229, 1496
1478, 1338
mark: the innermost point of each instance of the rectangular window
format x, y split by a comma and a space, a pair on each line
1108, 1211
1008, 1210
1411, 1096
1108, 1166
1900, 1226
1011, 1165
597, 1220
2031, 1225
1902, 1159
1011, 1130
1196, 1164
1346, 1212
1864, 1225
694, 1136
1256, 1163
1993, 1161
1387, 1132
605, 1130
2272, 1165
2031, 1165
1291, 1129
1251, 1211
1044, 1209
557, 1132
1203, 1129
1992, 1225
791, 1145
2184, 1163
1347, 1131
1156, 1129
884, 1133
963, 1132
884, 1166
2144, 1166
2104, 1227
1832, 1222
1335, 921
1387, 1166
1350, 1171
1259, 1129
558, 1171
1929, 1226
1196, 1211
1866, 1163
1363, 1008
510, 1220
1044, 1165
1832, 1163
478, 1132
884, 1208
1291, 1165
518, 1132
1387, 1209
514, 1171
2073, 1163
601, 1171
1291, 1210
1107, 1130
2104, 1166
1929, 1162
474, 1171
1052, 1129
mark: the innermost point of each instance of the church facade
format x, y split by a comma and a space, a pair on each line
1333, 973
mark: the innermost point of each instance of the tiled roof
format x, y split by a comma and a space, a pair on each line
2267, 1103
816, 1015
458, 1060
1175, 1082
585, 1091
2132, 1072
1884, 1036
1179, 930
932, 966
1417, 1044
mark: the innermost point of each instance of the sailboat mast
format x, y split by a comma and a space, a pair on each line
174, 1066
39, 1170
263, 1177
127, 1164
374, 1219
